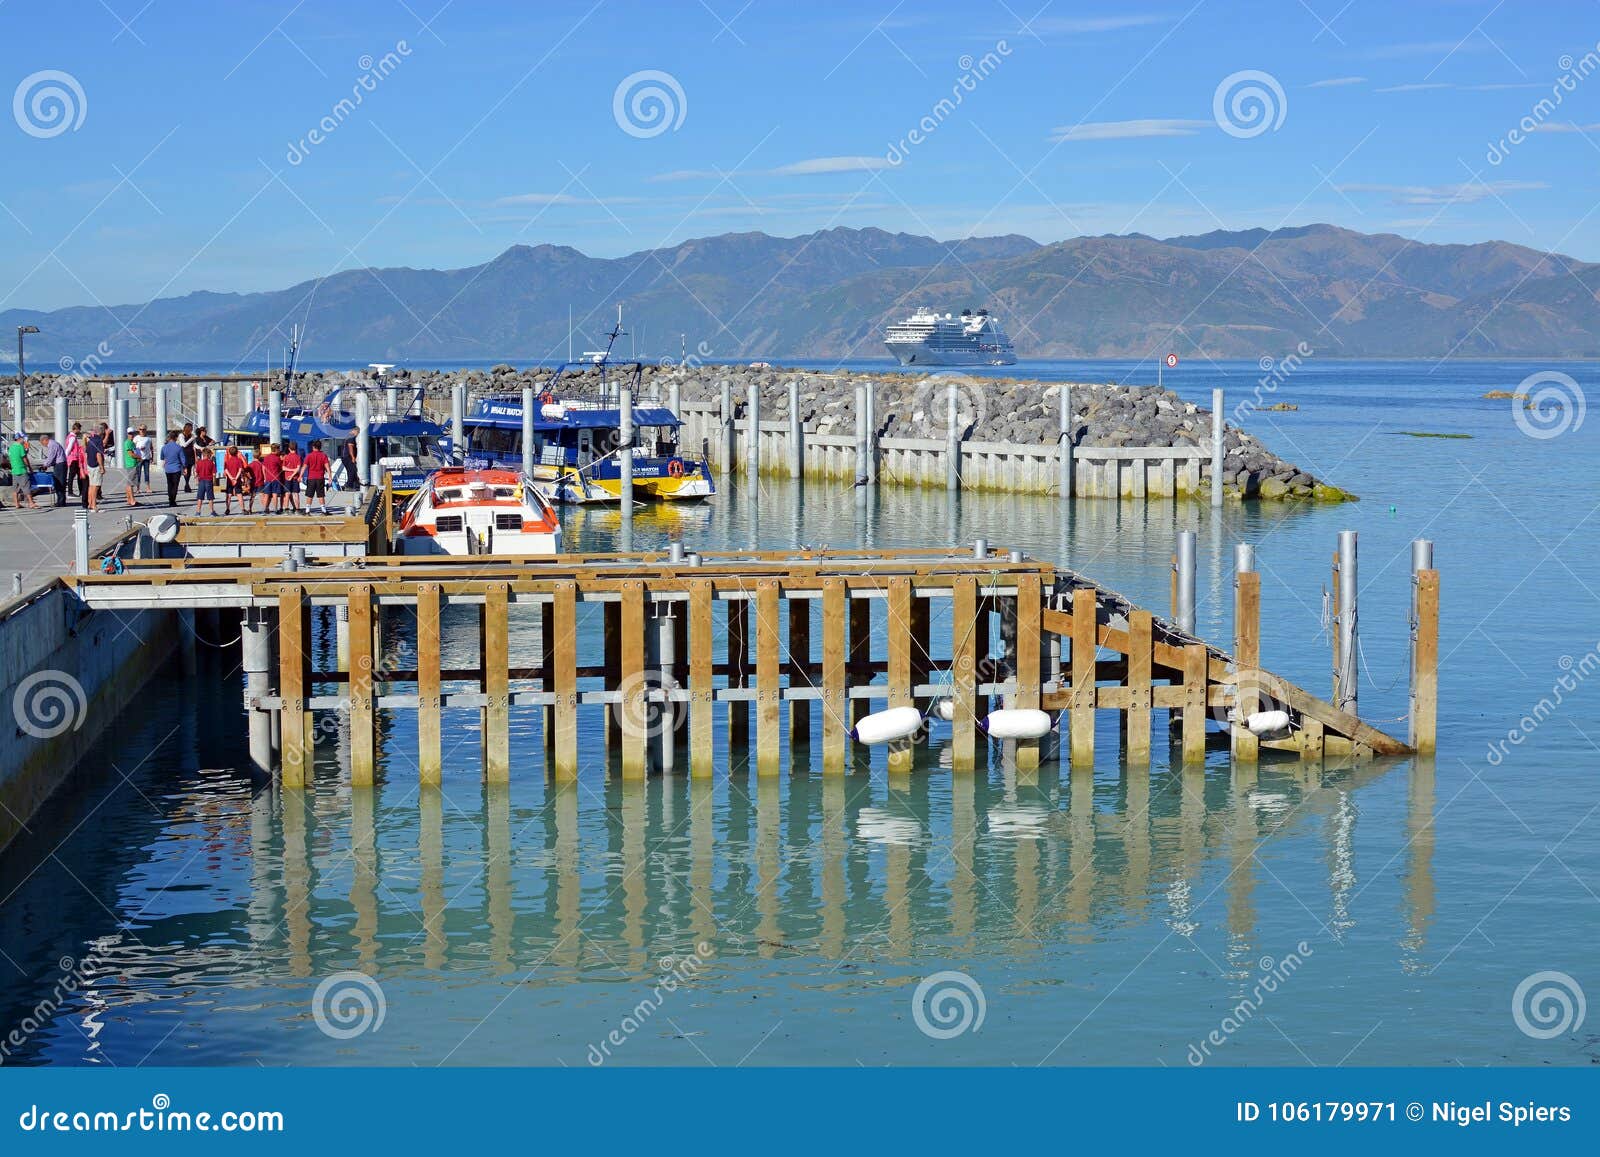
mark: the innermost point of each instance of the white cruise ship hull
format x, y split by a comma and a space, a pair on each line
923, 355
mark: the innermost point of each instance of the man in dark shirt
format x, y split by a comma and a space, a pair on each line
94, 461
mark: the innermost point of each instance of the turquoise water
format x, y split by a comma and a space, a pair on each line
1381, 914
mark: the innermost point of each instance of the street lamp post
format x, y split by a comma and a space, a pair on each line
22, 377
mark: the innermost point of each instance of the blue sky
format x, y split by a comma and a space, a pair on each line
186, 161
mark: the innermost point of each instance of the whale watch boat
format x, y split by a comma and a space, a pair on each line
931, 339
577, 441
468, 512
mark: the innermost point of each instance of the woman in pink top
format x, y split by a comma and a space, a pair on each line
77, 460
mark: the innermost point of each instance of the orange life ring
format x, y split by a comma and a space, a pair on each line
675, 468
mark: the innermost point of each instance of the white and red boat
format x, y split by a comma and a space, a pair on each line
458, 511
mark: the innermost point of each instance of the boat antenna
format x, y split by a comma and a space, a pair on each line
291, 360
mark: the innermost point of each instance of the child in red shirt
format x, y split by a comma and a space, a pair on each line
258, 480
291, 477
272, 472
205, 473
316, 474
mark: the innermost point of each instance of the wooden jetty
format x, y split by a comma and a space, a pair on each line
797, 631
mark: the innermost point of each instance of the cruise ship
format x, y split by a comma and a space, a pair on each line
930, 339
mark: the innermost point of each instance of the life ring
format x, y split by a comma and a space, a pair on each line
675, 468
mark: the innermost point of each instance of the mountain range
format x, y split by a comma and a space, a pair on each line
1243, 294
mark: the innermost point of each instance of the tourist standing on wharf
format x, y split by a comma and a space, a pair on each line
172, 465
54, 459
144, 451
205, 480
186, 445
235, 475
291, 478
316, 472
272, 472
94, 469
129, 461
21, 479
77, 466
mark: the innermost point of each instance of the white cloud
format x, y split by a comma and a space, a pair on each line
1070, 25
1127, 130
1337, 82
1415, 87
1564, 127
828, 165
1461, 193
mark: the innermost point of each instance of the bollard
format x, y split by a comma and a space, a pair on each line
675, 553
1016, 556
796, 431
80, 542
275, 417
528, 413
1184, 571
952, 438
693, 558
1345, 693
752, 427
363, 438
298, 553
980, 548
1216, 447
458, 424
63, 422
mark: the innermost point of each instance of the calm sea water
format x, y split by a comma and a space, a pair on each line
1382, 914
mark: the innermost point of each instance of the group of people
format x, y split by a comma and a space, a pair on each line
96, 465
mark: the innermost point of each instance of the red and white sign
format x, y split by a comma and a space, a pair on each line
1172, 361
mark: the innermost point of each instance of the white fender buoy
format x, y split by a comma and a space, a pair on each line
945, 709
887, 726
555, 411
1017, 723
1267, 722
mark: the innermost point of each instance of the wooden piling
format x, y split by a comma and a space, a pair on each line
1029, 661
769, 667
430, 765
898, 625
1195, 662
964, 674
496, 715
1081, 720
363, 753
633, 685
1425, 665
1247, 662
702, 694
563, 678
835, 705
298, 736
1140, 644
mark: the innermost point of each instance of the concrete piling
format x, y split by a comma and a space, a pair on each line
796, 433
275, 418
458, 424
752, 432
725, 451
1183, 568
1065, 436
363, 440
163, 419
1216, 447
528, 415
63, 422
1347, 639
952, 443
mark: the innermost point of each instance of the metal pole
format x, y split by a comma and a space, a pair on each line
275, 418
163, 423
1216, 447
1345, 690
861, 432
63, 423
796, 431
752, 425
725, 450
666, 660
872, 431
458, 424
625, 465
80, 542
528, 404
1244, 558
217, 418
112, 394
363, 438
1186, 576
952, 437
256, 653
1066, 442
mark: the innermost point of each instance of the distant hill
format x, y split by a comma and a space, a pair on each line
828, 294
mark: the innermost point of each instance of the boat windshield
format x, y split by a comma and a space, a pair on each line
405, 446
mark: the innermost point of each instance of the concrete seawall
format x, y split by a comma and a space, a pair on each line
67, 672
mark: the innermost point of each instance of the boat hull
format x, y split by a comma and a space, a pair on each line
917, 355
